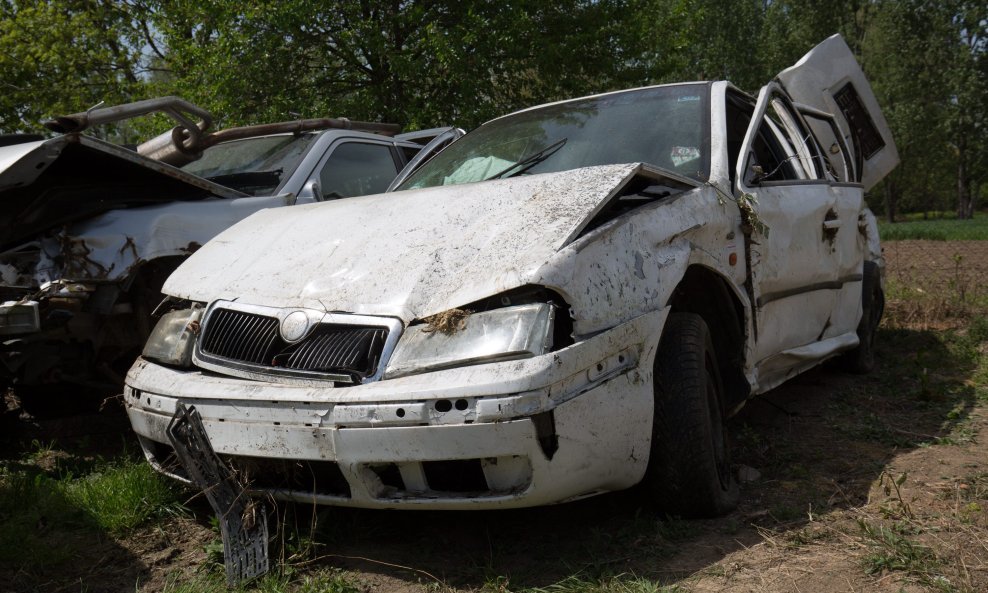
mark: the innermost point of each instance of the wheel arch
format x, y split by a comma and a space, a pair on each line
707, 293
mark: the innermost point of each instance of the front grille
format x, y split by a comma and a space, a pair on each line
253, 339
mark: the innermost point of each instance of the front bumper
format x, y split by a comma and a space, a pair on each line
565, 425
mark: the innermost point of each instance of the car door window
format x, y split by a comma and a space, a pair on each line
784, 148
357, 169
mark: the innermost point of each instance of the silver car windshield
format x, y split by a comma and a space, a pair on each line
665, 126
256, 166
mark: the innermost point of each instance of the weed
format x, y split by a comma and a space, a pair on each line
893, 552
621, 583
676, 529
801, 537
897, 506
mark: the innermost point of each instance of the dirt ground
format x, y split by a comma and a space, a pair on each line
853, 483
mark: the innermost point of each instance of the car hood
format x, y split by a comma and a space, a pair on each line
408, 254
48, 183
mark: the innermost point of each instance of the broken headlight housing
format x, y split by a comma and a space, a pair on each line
510, 333
173, 337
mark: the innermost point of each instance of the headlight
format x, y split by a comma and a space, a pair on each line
510, 333
173, 337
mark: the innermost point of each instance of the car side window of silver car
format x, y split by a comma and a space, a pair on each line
357, 169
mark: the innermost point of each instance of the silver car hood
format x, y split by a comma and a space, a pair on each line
408, 254
49, 183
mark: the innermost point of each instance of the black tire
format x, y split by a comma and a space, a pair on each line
861, 360
689, 469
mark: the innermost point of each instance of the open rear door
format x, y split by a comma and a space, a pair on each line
829, 79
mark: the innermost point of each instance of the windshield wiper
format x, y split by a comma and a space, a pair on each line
530, 161
249, 179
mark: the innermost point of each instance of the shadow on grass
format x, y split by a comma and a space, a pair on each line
818, 442
63, 509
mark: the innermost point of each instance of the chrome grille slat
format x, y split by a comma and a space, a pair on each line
246, 338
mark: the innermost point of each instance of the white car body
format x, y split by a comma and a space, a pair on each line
779, 281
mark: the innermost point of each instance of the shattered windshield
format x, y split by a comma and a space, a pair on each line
664, 126
255, 166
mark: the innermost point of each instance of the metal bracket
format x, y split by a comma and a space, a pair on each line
243, 521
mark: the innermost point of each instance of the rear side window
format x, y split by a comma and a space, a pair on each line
357, 169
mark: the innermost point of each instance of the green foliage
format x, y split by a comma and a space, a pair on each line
423, 63
64, 56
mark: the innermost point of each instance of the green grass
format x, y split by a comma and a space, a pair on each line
51, 516
327, 581
614, 584
936, 229
123, 495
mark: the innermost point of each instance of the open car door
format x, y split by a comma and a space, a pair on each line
443, 138
829, 79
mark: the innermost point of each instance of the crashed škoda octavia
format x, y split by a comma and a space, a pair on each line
567, 301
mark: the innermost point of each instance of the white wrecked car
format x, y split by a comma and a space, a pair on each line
567, 301
89, 230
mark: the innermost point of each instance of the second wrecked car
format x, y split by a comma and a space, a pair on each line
89, 230
567, 301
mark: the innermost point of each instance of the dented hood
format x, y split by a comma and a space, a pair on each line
409, 254
48, 183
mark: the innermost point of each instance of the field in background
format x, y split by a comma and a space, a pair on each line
935, 283
937, 226
852, 483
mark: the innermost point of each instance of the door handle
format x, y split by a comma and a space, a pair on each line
831, 223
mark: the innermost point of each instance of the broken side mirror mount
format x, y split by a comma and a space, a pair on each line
754, 173
311, 191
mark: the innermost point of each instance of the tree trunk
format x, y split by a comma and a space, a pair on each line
965, 202
890, 199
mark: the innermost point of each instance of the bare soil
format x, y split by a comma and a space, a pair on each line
831, 461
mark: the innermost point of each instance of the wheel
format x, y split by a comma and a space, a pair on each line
689, 469
862, 358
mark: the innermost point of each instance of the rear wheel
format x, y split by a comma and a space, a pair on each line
689, 470
862, 358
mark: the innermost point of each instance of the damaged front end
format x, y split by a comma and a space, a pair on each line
349, 384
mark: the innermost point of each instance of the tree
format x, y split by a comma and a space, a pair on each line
62, 56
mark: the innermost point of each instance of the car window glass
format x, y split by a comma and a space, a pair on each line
835, 161
409, 152
666, 126
739, 112
769, 159
799, 138
784, 149
256, 166
357, 169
